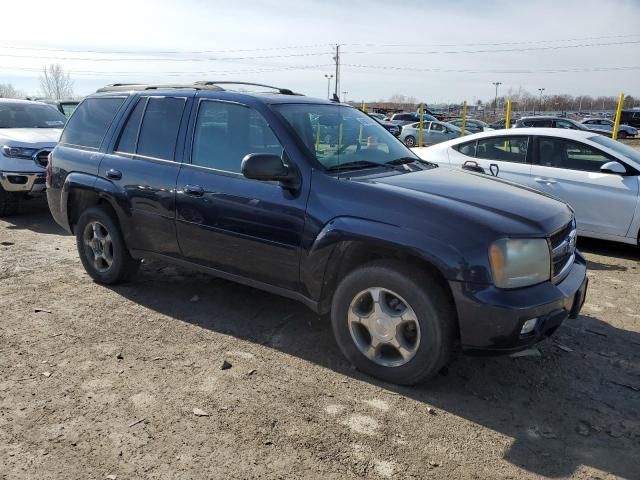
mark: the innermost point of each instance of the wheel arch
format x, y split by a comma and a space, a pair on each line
348, 243
82, 191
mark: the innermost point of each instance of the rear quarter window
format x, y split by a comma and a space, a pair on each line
467, 148
89, 124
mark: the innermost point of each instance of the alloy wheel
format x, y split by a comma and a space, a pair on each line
98, 246
384, 327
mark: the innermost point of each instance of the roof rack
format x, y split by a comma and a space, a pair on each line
125, 87
282, 91
200, 85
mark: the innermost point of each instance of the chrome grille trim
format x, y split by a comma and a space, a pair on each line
41, 157
563, 253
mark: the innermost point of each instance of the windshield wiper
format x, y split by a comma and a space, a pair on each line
407, 160
359, 165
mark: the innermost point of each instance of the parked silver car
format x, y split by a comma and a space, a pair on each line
606, 125
432, 132
473, 125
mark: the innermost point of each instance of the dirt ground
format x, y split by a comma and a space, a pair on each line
100, 382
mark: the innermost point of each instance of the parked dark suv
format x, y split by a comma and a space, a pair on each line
410, 260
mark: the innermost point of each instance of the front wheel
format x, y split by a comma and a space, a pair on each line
102, 250
393, 322
622, 134
410, 141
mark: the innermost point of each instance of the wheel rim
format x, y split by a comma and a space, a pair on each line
410, 142
98, 246
384, 327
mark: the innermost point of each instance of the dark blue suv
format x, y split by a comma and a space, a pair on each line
316, 201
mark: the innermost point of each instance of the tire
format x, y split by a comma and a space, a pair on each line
9, 203
102, 249
622, 134
410, 141
434, 314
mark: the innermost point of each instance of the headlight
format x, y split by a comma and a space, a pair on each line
18, 152
519, 262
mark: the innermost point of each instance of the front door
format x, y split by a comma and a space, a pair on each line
226, 221
142, 164
570, 170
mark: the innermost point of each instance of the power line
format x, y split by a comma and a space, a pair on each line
497, 71
497, 50
476, 44
297, 47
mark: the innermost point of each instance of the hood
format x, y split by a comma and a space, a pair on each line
27, 136
505, 207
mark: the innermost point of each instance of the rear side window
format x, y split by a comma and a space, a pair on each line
226, 132
504, 149
159, 131
467, 148
88, 126
128, 141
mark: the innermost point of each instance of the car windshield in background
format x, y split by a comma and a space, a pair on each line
343, 137
25, 115
619, 147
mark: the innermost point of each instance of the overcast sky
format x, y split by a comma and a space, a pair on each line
437, 51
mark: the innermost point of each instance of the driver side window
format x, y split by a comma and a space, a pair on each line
226, 132
561, 153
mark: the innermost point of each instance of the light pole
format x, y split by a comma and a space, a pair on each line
495, 101
541, 90
328, 77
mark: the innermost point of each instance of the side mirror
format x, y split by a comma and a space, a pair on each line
266, 167
613, 167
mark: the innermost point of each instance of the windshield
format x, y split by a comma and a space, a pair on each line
618, 147
339, 136
30, 115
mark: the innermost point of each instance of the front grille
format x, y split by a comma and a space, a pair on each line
563, 251
42, 157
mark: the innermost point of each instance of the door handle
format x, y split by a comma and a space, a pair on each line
193, 190
114, 174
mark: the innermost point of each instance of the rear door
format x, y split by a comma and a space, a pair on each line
226, 221
143, 163
508, 156
570, 170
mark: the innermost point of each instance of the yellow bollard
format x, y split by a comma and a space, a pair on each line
421, 124
464, 118
616, 124
340, 138
364, 107
507, 120
318, 137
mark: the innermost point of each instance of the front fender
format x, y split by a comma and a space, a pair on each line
321, 266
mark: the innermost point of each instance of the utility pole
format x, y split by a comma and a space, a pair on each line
495, 101
541, 90
328, 77
337, 60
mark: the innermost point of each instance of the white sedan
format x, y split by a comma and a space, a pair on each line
599, 177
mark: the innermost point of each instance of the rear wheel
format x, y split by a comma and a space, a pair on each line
393, 322
102, 250
410, 141
9, 202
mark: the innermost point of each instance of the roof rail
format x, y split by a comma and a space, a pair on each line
283, 91
200, 85
125, 87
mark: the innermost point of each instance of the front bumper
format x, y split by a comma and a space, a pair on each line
491, 319
23, 182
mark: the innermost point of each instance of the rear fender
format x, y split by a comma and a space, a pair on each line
89, 190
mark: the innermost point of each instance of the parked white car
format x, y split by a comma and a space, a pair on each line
28, 132
432, 133
597, 176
